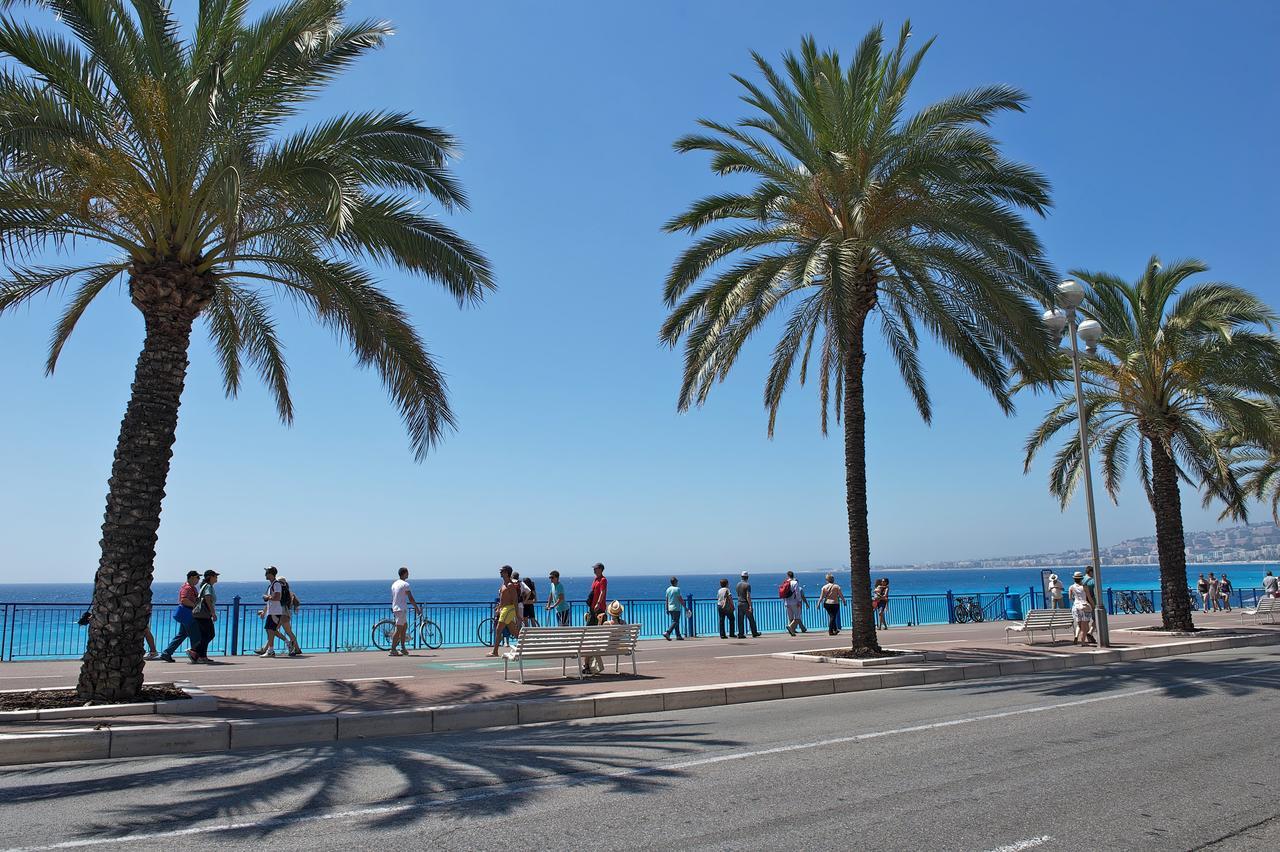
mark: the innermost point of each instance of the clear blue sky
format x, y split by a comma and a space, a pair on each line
1156, 122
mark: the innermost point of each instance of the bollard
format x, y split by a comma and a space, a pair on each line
235, 627
951, 607
1111, 601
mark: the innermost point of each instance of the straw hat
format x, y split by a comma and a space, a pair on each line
615, 608
1053, 578
1079, 575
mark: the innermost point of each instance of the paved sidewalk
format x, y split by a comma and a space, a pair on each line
249, 687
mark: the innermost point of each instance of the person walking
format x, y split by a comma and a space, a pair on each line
401, 599
1081, 610
289, 604
880, 602
830, 599
676, 610
186, 628
530, 594
1271, 584
1214, 592
270, 613
1224, 589
204, 616
508, 610
1202, 586
556, 600
792, 594
598, 597
724, 609
1055, 591
746, 609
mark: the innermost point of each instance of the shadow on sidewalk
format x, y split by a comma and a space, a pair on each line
492, 772
1173, 677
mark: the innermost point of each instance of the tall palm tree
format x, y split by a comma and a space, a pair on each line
858, 210
1172, 376
170, 155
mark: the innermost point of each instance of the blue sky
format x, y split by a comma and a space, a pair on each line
1155, 122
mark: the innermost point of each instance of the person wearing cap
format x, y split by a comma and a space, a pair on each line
1081, 610
204, 615
598, 596
186, 630
1055, 591
271, 609
746, 612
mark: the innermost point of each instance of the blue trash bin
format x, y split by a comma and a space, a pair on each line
1013, 607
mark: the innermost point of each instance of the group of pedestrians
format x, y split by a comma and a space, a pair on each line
197, 616
1215, 592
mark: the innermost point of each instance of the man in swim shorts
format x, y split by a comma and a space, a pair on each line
507, 616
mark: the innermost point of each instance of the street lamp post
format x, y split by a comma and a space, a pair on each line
1066, 319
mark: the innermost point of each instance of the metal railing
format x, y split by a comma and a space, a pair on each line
31, 631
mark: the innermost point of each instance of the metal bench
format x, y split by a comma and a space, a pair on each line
565, 643
1051, 621
1267, 606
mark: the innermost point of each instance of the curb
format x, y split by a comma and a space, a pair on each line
198, 701
104, 742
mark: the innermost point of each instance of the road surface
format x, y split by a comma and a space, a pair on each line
1171, 754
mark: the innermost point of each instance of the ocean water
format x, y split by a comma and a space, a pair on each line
642, 587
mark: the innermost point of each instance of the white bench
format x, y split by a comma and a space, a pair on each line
1051, 621
548, 643
1267, 606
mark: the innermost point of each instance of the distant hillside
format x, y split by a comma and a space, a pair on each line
1247, 543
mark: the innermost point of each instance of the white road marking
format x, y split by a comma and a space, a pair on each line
1029, 843
216, 686
590, 777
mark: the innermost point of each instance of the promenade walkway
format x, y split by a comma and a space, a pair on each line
250, 687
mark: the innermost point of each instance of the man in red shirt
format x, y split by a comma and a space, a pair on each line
186, 598
598, 600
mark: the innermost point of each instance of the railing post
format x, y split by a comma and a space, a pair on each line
692, 627
915, 610
333, 627
6, 646
1033, 596
1111, 601
951, 607
234, 648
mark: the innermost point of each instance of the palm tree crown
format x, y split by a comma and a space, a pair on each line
1174, 375
856, 208
172, 155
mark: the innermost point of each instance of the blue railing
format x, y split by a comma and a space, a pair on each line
31, 631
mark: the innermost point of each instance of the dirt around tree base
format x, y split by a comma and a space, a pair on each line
54, 699
1161, 629
851, 654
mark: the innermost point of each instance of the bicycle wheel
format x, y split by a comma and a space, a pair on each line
962, 614
484, 630
382, 634
978, 617
430, 636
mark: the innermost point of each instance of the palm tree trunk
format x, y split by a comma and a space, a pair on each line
112, 668
855, 479
1166, 502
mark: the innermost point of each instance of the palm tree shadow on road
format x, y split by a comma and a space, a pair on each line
467, 774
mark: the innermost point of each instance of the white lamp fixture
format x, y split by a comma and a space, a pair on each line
1090, 332
1070, 294
1055, 320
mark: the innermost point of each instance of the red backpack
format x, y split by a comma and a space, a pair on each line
786, 590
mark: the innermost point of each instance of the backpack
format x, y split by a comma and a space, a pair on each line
787, 589
287, 599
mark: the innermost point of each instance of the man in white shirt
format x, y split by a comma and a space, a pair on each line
272, 610
1271, 585
401, 598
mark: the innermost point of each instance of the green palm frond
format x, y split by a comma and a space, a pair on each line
119, 127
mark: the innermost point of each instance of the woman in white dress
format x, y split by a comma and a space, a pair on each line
1081, 613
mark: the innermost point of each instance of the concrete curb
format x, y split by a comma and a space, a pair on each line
904, 656
198, 701
104, 742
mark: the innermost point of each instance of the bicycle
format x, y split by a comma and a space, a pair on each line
428, 633
1144, 603
1125, 603
968, 609
484, 631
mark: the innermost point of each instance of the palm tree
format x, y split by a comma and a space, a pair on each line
170, 155
855, 210
1171, 378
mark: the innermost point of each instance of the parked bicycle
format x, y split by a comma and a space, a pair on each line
428, 633
968, 609
484, 631
1126, 603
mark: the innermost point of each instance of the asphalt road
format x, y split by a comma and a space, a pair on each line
1172, 754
